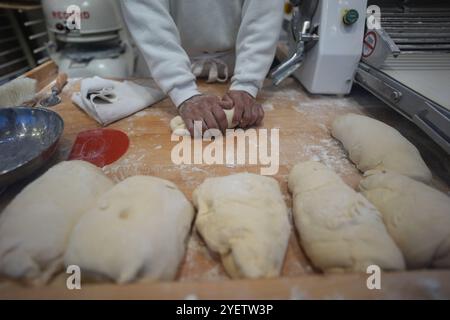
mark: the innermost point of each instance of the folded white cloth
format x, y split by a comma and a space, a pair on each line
107, 101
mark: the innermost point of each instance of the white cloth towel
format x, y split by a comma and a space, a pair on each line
108, 101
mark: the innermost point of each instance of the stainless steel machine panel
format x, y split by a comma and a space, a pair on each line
415, 82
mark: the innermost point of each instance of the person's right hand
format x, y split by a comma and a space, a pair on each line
206, 109
247, 112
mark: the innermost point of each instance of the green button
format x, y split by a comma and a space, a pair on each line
351, 16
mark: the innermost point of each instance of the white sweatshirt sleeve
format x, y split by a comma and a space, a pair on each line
256, 43
157, 37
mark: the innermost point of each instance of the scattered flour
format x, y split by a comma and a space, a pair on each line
195, 169
197, 251
142, 113
433, 288
297, 294
268, 107
330, 153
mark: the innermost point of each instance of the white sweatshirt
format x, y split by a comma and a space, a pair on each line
172, 34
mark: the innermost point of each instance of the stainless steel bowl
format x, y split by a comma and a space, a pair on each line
28, 138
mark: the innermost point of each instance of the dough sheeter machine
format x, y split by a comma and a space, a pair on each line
397, 50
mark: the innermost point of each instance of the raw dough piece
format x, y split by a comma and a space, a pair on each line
416, 215
244, 218
179, 127
137, 229
373, 145
339, 229
35, 227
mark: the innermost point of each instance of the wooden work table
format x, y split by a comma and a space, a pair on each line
304, 122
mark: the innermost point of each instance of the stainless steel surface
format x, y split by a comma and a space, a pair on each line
28, 138
431, 117
416, 83
428, 75
395, 50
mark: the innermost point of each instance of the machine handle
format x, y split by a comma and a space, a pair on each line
285, 70
294, 62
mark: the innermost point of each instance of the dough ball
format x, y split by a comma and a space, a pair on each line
416, 216
373, 145
178, 126
339, 229
35, 227
138, 229
244, 218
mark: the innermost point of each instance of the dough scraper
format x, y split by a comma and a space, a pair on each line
100, 146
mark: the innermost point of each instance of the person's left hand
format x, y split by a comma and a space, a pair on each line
247, 112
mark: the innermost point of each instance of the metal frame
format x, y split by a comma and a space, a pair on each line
432, 118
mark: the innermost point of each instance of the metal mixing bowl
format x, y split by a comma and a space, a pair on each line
28, 138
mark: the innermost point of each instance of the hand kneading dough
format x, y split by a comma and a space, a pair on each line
339, 229
137, 229
416, 215
243, 217
373, 145
35, 227
179, 127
